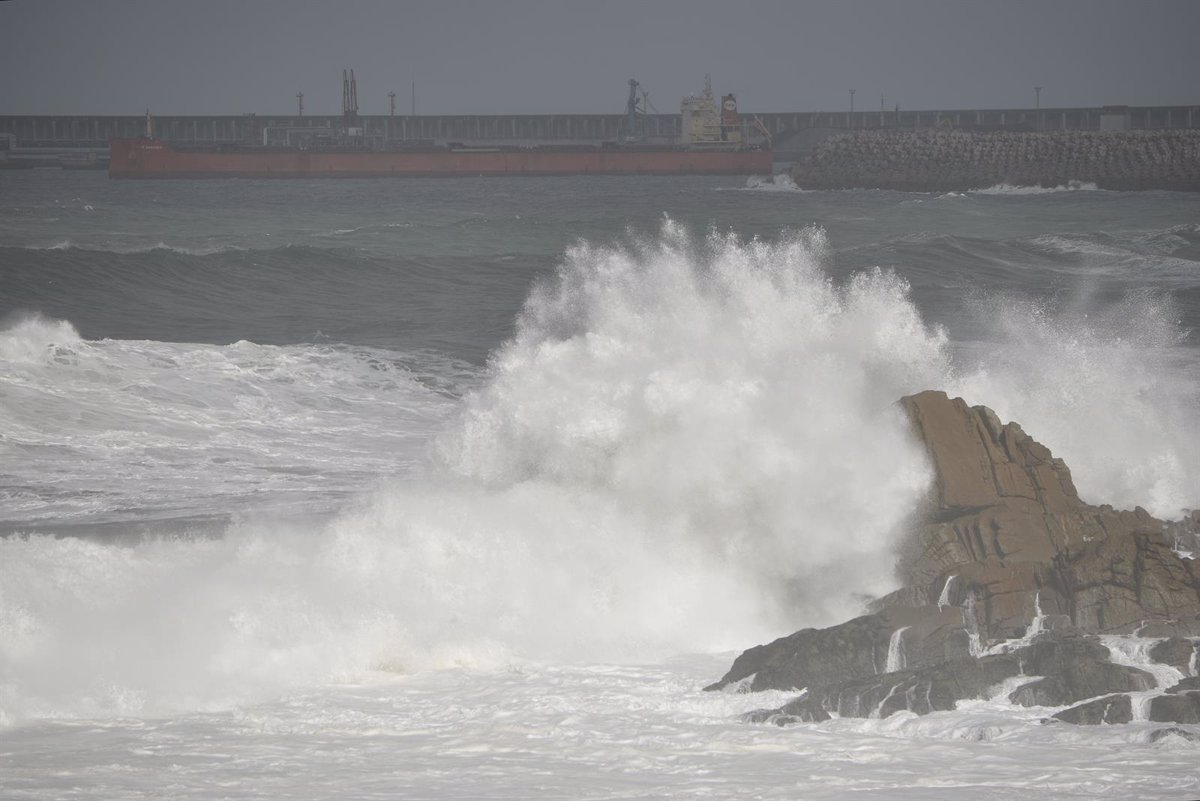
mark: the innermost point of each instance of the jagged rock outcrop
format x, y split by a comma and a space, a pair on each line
1008, 585
1008, 529
1052, 670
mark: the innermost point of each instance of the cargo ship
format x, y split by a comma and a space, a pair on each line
714, 140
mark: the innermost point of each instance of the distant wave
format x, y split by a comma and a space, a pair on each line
357, 228
781, 182
67, 244
1011, 189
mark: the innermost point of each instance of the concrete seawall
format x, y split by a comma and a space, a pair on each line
948, 161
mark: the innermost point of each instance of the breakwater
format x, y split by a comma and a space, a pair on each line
790, 129
949, 160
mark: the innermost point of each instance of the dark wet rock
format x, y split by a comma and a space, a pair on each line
930, 689
1162, 734
1177, 707
1109, 709
1177, 652
855, 649
1061, 669
1007, 561
812, 656
1073, 668
1185, 685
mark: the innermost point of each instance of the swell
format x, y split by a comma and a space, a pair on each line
1092, 270
279, 296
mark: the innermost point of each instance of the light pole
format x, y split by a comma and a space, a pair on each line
850, 119
1037, 92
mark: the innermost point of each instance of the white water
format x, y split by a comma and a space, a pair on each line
1135, 652
686, 447
597, 731
896, 657
944, 599
780, 182
112, 429
1013, 189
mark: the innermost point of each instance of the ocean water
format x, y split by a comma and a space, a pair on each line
464, 488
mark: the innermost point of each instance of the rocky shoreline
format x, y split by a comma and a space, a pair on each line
957, 161
1015, 589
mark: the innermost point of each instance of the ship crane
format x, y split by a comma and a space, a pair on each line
634, 112
350, 104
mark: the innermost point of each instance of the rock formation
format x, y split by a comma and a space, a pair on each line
952, 160
1013, 586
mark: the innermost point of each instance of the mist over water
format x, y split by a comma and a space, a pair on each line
1115, 392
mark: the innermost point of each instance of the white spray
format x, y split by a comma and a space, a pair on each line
687, 446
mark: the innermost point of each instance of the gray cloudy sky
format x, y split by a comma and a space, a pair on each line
527, 56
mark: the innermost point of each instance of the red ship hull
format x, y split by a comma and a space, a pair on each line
153, 158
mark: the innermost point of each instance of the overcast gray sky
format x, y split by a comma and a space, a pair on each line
574, 56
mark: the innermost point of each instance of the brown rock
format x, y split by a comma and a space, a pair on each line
1006, 519
1009, 556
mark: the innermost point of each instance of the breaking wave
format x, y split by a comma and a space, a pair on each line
1011, 189
687, 445
779, 182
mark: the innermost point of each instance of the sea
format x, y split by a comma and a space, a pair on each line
465, 488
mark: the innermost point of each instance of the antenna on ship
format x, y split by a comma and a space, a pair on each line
149, 125
300, 99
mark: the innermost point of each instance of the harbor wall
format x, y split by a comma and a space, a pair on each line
949, 161
790, 129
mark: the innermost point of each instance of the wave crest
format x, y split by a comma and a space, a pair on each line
35, 339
